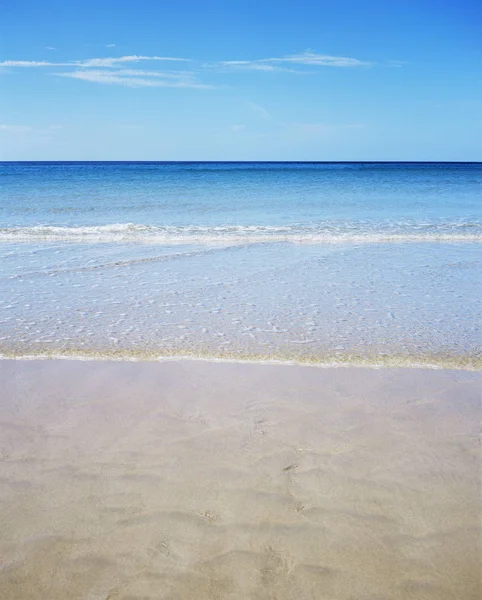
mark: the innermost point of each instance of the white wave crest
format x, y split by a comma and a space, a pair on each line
229, 234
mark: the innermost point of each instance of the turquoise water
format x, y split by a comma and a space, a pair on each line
287, 260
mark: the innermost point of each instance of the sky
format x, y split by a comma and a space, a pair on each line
241, 80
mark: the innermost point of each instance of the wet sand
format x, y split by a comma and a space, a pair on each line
197, 480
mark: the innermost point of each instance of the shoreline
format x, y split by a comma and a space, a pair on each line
468, 364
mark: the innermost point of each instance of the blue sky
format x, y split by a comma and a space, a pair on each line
264, 80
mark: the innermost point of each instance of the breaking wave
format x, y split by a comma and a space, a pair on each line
245, 234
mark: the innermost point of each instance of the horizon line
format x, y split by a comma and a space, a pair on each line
248, 161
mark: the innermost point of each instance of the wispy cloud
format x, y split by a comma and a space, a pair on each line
237, 128
111, 62
312, 58
29, 63
259, 110
106, 70
308, 57
130, 78
110, 45
252, 66
181, 75
109, 70
15, 128
90, 62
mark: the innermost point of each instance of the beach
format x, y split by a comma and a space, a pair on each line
203, 480
240, 300
240, 381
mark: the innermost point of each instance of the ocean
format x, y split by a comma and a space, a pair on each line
360, 263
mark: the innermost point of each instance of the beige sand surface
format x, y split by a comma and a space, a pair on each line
197, 480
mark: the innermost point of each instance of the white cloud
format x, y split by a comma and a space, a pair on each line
181, 75
29, 63
396, 63
312, 58
50, 48
264, 64
109, 70
260, 110
236, 128
110, 62
308, 58
110, 45
15, 128
120, 78
103, 70
90, 62
253, 66
7, 128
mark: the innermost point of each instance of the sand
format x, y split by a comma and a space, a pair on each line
198, 480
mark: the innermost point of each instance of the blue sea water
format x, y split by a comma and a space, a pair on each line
318, 261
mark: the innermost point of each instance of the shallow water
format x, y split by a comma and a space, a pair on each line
293, 261
272, 300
